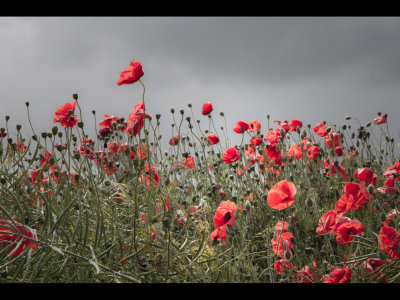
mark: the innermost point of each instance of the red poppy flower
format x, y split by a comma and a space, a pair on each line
254, 125
272, 137
224, 215
143, 151
391, 216
219, 234
230, 155
343, 231
275, 155
326, 222
282, 243
250, 150
338, 276
132, 73
364, 175
105, 132
281, 195
308, 274
174, 141
313, 152
3, 134
389, 239
354, 197
213, 139
240, 127
282, 265
295, 151
280, 227
146, 178
379, 120
21, 236
113, 146
319, 129
207, 108
370, 265
63, 117
188, 162
106, 123
180, 217
45, 158
294, 124
136, 119
392, 171
256, 140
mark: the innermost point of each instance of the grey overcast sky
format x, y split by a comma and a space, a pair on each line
307, 68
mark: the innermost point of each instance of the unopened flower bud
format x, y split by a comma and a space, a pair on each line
18, 127
54, 130
370, 188
347, 117
44, 135
80, 124
75, 96
172, 110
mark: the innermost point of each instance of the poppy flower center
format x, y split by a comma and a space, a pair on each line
227, 216
349, 232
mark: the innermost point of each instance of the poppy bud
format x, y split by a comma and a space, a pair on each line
158, 116
328, 129
44, 135
370, 188
298, 130
221, 114
7, 118
166, 222
75, 96
107, 182
383, 217
182, 111
287, 254
188, 119
309, 250
344, 126
347, 117
309, 202
368, 124
247, 205
60, 134
18, 127
172, 110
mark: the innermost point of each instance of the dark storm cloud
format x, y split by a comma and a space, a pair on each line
307, 68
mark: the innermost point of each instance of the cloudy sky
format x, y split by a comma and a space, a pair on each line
307, 68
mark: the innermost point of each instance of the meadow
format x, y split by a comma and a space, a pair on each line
292, 203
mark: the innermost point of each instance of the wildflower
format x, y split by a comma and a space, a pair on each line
282, 243
345, 230
20, 235
389, 239
254, 125
174, 141
320, 129
219, 234
354, 197
146, 177
188, 162
313, 152
113, 146
293, 124
106, 123
240, 127
272, 137
207, 108
337, 276
379, 120
295, 151
326, 222
63, 116
256, 140
282, 265
308, 274
132, 73
364, 175
136, 119
230, 155
224, 215
143, 151
213, 139
281, 195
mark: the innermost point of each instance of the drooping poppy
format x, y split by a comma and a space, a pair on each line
132, 73
136, 119
281, 195
213, 139
207, 108
63, 116
230, 155
240, 127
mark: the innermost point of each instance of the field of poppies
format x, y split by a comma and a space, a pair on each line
293, 203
